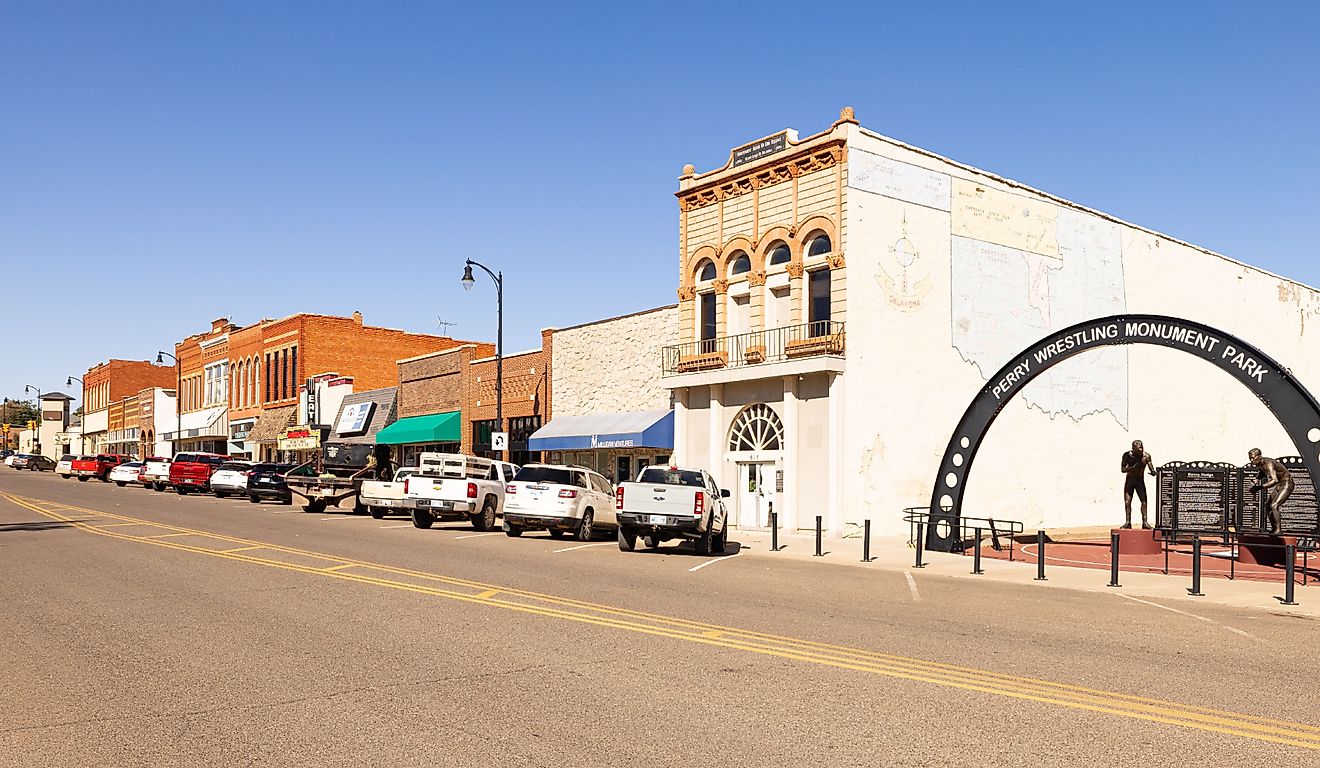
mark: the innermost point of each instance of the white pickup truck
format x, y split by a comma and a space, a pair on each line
382, 497
452, 486
672, 503
156, 473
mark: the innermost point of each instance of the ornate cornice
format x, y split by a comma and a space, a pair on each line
756, 278
836, 260
794, 269
686, 293
783, 169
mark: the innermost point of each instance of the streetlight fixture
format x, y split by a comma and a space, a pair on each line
178, 399
468, 281
36, 437
82, 437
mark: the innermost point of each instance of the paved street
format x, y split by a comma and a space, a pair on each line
150, 629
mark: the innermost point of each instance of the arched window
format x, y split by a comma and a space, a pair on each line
819, 245
740, 264
780, 255
757, 428
706, 270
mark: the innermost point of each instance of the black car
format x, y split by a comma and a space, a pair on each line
266, 481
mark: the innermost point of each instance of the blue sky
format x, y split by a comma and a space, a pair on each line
163, 164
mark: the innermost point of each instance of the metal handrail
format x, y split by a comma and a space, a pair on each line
967, 527
772, 345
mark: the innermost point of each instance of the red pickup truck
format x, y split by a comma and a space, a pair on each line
97, 466
192, 471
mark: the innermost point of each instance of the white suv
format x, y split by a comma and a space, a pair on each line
558, 499
231, 478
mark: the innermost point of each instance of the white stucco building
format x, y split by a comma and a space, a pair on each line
843, 297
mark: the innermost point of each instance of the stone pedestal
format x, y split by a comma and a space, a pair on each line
1134, 541
1262, 549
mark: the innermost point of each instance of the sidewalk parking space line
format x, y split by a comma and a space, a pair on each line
336, 519
912, 586
584, 546
404, 525
713, 561
475, 535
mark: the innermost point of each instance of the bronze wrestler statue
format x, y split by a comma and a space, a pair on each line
1275, 479
1134, 464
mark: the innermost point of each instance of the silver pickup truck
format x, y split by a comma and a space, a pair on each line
672, 503
382, 497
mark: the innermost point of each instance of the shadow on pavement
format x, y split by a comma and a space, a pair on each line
37, 525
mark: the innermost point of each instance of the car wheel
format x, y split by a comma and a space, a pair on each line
220, 494
512, 532
651, 542
583, 532
627, 539
555, 533
287, 500
721, 540
422, 519
315, 506
182, 490
105, 478
158, 487
377, 513
82, 478
485, 519
118, 483
253, 499
702, 544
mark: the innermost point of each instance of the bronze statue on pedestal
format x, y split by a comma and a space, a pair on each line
1275, 479
1134, 464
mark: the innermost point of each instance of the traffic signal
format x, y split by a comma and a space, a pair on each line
32, 424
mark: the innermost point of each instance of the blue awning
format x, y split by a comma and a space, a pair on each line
640, 429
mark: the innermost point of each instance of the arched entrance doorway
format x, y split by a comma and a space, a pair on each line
756, 444
1290, 402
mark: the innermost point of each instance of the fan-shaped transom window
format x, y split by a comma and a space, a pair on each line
819, 245
780, 255
706, 271
757, 428
740, 264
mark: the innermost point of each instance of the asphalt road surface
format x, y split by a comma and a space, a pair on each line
148, 629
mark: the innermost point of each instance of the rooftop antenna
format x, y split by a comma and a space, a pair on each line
443, 325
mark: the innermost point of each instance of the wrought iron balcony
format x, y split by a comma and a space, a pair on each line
772, 345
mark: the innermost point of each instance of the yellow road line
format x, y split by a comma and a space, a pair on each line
165, 535
334, 568
237, 549
966, 678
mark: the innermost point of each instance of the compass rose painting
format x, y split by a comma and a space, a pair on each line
903, 274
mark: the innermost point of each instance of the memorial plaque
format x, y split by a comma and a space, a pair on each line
1194, 497
1164, 517
1248, 504
1300, 515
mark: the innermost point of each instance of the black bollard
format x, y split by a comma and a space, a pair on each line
1040, 556
1289, 558
921, 544
1113, 560
866, 541
774, 531
1195, 591
976, 554
818, 552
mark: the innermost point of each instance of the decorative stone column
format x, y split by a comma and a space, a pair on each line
788, 514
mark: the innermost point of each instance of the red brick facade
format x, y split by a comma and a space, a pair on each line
117, 379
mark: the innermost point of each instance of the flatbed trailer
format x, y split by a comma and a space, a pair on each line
336, 475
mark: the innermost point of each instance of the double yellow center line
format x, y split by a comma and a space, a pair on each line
552, 606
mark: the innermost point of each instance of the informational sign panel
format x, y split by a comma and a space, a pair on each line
499, 441
299, 438
354, 419
749, 153
1300, 514
1195, 497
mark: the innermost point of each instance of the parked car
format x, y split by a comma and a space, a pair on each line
452, 486
126, 473
156, 473
64, 467
33, 461
9, 458
192, 471
558, 499
266, 481
381, 497
231, 478
672, 503
98, 466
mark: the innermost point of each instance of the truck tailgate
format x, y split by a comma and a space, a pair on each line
650, 499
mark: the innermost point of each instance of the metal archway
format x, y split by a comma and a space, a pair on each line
1290, 402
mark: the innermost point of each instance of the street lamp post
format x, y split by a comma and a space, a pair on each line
36, 437
82, 436
178, 399
468, 282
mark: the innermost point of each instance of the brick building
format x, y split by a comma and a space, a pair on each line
109, 383
447, 401
242, 385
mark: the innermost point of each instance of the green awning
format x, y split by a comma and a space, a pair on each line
436, 428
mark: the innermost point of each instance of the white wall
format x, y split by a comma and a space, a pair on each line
951, 272
612, 366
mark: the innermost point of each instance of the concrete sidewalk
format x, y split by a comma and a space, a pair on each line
893, 553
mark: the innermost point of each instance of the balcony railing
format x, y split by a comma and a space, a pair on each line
772, 345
